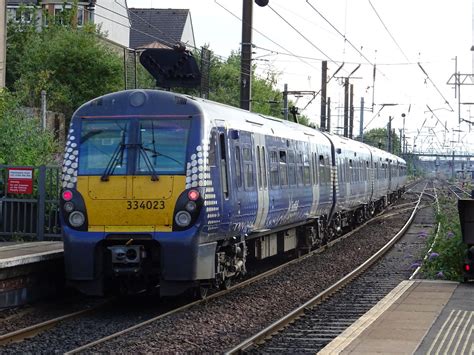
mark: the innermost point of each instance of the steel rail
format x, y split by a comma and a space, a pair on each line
281, 323
21, 334
459, 190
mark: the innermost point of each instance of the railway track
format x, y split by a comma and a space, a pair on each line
459, 192
30, 331
21, 334
313, 325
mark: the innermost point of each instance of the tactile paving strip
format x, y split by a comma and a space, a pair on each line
456, 336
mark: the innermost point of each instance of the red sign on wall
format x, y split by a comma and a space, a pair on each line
20, 180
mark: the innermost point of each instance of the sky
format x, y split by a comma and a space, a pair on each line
413, 44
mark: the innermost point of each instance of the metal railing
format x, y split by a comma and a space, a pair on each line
34, 216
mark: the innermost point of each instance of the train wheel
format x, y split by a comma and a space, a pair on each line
225, 285
201, 291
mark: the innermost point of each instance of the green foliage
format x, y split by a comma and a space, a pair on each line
446, 258
22, 142
72, 64
377, 137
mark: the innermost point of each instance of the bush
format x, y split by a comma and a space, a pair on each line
73, 65
446, 259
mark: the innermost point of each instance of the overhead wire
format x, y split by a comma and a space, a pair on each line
301, 34
388, 31
439, 92
263, 35
336, 61
339, 32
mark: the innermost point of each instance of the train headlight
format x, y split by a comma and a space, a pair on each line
191, 206
183, 218
68, 206
77, 219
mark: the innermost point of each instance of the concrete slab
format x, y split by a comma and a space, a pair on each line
400, 321
27, 253
453, 330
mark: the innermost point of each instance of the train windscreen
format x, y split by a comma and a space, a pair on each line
164, 142
141, 147
101, 140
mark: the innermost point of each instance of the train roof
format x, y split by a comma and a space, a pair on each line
232, 117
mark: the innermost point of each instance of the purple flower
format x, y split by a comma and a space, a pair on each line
415, 265
440, 275
449, 235
433, 255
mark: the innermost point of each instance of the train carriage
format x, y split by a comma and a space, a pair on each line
171, 190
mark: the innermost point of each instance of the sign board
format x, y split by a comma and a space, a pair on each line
20, 181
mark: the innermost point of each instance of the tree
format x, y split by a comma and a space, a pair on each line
377, 137
71, 64
22, 142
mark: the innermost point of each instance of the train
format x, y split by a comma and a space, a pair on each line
173, 192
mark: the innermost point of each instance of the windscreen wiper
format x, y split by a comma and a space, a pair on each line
109, 170
149, 165
114, 159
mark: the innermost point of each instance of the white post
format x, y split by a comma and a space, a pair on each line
43, 109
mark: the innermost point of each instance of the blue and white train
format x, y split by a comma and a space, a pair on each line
172, 190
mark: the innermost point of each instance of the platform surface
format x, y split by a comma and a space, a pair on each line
417, 317
25, 253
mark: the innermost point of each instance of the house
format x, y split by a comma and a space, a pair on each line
110, 16
160, 28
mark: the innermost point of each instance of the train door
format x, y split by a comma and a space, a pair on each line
262, 181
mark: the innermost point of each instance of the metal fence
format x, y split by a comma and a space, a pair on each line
33, 216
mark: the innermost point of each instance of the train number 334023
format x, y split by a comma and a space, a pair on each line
145, 205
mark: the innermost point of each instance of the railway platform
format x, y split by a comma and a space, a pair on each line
417, 317
29, 271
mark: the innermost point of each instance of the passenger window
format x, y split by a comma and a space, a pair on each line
322, 169
264, 164
238, 167
315, 169
299, 171
274, 178
259, 169
248, 168
291, 168
212, 150
283, 169
306, 170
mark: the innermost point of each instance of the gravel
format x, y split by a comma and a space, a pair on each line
220, 323
224, 322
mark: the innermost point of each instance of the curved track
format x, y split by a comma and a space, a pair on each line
18, 335
314, 328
